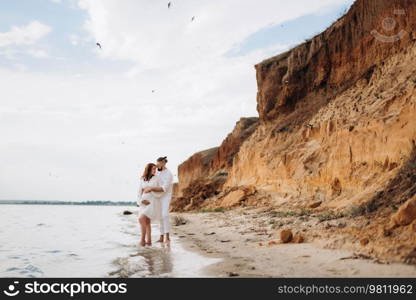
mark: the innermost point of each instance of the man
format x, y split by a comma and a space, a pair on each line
166, 180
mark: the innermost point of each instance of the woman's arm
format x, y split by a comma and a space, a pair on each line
140, 193
140, 190
163, 184
158, 189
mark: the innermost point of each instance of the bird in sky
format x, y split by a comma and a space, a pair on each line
193, 19
169, 4
99, 45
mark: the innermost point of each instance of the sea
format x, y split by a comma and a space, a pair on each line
87, 241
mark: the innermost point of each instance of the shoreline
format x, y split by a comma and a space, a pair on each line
246, 249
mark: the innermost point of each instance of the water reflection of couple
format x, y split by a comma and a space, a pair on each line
155, 193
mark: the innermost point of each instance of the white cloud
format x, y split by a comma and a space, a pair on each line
74, 39
20, 67
96, 130
8, 53
13, 53
38, 53
153, 36
24, 35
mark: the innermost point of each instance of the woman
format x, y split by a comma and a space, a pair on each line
149, 204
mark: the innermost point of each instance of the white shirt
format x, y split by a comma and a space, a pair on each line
166, 182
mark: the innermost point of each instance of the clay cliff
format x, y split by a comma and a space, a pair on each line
195, 167
336, 134
204, 173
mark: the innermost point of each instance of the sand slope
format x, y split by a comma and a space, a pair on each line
239, 238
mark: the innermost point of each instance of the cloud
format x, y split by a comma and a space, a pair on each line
13, 54
38, 53
97, 129
153, 36
74, 39
24, 35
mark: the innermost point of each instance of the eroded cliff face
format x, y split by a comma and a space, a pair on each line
203, 174
195, 167
223, 159
337, 130
337, 112
335, 59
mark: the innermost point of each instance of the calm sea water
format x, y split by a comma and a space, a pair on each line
85, 241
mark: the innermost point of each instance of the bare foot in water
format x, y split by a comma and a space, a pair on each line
149, 244
160, 240
142, 243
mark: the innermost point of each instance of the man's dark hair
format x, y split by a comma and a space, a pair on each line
163, 158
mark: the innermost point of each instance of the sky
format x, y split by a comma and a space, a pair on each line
79, 123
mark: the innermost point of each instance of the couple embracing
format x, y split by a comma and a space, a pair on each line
155, 193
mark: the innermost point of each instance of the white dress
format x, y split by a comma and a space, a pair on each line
153, 210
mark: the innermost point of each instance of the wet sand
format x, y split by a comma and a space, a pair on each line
158, 260
243, 248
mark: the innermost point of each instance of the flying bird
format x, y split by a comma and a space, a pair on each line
99, 45
193, 18
169, 4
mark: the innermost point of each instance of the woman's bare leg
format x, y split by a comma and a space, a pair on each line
148, 232
142, 222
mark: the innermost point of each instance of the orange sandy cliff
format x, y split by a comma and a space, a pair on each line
336, 135
203, 174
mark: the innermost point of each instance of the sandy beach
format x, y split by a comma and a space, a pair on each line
248, 248
244, 242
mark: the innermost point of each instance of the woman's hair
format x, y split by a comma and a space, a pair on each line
147, 174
